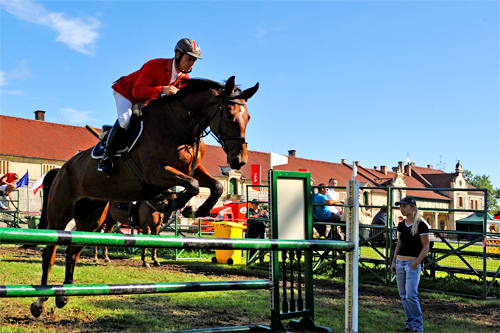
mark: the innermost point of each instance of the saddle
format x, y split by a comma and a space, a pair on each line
133, 133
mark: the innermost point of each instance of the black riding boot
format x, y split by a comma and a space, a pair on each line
132, 209
115, 137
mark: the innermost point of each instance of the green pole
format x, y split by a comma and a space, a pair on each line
78, 238
125, 289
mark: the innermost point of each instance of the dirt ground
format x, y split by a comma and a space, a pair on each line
369, 296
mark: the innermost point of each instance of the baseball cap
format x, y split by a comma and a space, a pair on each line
407, 201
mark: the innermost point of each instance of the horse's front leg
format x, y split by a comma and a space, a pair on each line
169, 177
216, 189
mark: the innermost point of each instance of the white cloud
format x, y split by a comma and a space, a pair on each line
75, 117
3, 81
80, 34
18, 73
21, 72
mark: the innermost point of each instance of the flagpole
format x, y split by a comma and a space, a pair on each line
28, 194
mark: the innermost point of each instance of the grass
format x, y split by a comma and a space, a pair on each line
380, 309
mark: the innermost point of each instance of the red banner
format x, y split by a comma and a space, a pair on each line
256, 176
303, 170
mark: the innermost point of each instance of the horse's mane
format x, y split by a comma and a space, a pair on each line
192, 86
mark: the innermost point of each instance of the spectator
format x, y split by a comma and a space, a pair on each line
411, 250
322, 213
256, 229
380, 219
8, 184
156, 77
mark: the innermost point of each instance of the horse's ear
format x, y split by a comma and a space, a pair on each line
249, 92
229, 87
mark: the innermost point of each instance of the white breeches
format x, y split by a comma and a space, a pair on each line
124, 108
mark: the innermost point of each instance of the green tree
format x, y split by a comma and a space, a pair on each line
485, 182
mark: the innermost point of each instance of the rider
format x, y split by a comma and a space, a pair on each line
156, 77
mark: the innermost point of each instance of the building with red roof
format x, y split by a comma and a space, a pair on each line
38, 146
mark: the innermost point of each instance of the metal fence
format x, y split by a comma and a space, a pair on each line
464, 263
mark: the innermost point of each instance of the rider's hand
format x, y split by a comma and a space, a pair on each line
170, 90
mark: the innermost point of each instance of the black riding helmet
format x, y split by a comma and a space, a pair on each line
187, 46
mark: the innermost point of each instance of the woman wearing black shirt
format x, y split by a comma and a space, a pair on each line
412, 247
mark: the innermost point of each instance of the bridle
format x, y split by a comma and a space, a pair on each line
221, 138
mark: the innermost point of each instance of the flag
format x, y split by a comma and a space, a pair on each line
354, 171
23, 181
36, 185
277, 159
256, 176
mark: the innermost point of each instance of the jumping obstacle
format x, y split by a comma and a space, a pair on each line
291, 233
81, 238
123, 289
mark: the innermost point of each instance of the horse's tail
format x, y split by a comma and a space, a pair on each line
47, 184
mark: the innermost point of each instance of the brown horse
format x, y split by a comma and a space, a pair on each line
168, 154
149, 220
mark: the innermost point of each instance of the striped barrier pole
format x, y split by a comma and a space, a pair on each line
78, 238
125, 289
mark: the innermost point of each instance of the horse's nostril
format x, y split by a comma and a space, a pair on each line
236, 164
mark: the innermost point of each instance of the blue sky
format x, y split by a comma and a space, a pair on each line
368, 81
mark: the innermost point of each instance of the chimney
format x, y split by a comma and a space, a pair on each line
383, 169
291, 153
357, 163
40, 115
408, 169
430, 166
343, 161
376, 168
401, 166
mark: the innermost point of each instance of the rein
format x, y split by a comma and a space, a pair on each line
221, 139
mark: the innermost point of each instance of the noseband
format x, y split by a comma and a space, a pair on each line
222, 137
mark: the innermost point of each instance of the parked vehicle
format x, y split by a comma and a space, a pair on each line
230, 212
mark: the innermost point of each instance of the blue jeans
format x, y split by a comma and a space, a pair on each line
408, 280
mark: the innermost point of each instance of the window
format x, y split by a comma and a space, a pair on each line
476, 204
233, 186
47, 167
472, 204
4, 167
460, 202
365, 198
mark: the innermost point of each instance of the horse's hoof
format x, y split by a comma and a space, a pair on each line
61, 301
96, 260
107, 260
145, 264
37, 308
188, 212
156, 263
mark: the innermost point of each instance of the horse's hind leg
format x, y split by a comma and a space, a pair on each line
95, 251
49, 257
155, 230
89, 216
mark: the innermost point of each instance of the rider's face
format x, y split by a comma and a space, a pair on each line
187, 63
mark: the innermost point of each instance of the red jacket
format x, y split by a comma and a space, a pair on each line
148, 82
9, 177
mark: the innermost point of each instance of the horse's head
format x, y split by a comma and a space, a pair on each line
230, 124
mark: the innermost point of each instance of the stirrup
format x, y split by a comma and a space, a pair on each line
104, 168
